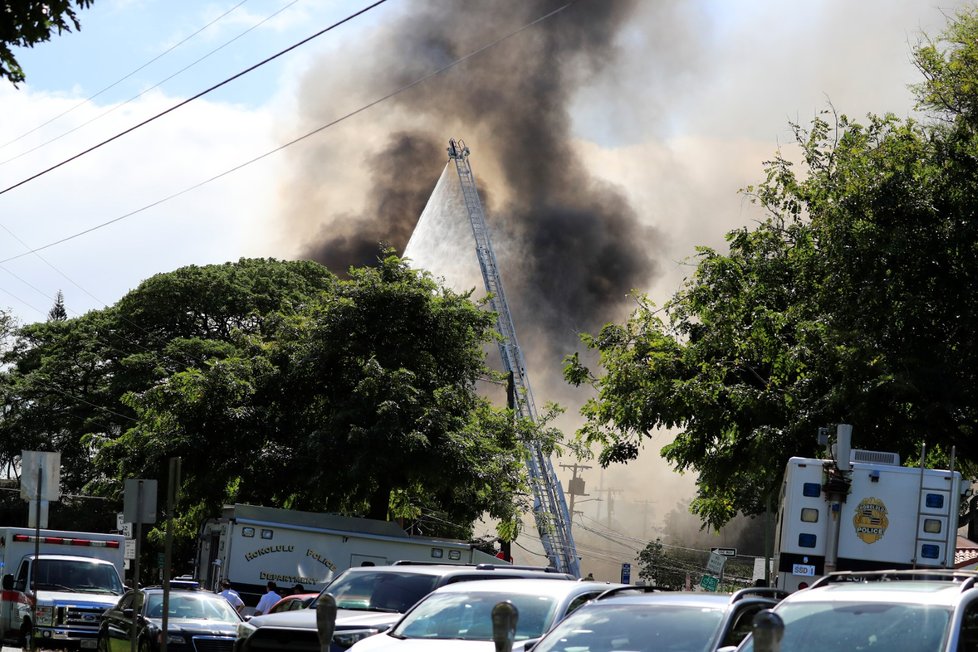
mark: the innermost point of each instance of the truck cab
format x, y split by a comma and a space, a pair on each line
67, 590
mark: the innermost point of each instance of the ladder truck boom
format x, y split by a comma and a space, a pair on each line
549, 506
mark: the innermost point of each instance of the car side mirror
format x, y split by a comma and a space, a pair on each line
8, 582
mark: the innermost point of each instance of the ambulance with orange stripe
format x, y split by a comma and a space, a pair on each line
65, 580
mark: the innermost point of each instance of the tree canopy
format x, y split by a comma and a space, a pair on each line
26, 23
278, 384
851, 302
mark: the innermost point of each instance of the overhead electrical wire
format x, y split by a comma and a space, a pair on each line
116, 83
147, 90
192, 98
275, 150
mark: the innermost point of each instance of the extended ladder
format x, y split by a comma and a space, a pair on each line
549, 506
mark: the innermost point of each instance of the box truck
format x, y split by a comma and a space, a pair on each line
862, 510
73, 577
251, 545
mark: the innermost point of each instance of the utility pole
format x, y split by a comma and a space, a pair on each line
611, 503
647, 504
576, 485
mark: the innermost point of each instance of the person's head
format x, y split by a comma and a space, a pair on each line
271, 586
298, 588
225, 583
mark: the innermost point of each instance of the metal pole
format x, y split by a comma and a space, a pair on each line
171, 501
37, 553
135, 573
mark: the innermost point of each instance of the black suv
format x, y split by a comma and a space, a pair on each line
370, 599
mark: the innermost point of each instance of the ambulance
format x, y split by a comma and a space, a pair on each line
65, 580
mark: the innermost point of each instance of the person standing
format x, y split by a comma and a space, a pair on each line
231, 595
268, 600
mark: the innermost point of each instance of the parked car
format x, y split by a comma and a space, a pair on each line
645, 618
910, 611
459, 616
196, 620
293, 602
369, 599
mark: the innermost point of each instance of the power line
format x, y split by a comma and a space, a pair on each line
191, 99
245, 164
113, 85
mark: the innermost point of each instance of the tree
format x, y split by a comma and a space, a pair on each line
278, 384
26, 23
58, 312
670, 567
852, 302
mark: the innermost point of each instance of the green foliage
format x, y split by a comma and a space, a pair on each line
851, 302
58, 312
28, 22
670, 566
277, 384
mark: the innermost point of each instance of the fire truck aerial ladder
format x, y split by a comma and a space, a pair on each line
549, 506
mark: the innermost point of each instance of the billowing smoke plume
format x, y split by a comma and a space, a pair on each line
570, 247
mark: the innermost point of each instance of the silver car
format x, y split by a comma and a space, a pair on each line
457, 617
909, 611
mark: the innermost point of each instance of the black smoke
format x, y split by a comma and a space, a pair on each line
576, 246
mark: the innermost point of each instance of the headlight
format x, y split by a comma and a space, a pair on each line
45, 614
348, 637
172, 639
245, 630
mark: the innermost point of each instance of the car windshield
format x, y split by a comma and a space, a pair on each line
380, 591
78, 575
601, 627
810, 626
191, 607
468, 616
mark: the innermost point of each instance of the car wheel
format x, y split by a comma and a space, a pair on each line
144, 646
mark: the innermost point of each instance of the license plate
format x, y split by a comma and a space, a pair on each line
805, 570
89, 644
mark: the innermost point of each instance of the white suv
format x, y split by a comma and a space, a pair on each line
905, 611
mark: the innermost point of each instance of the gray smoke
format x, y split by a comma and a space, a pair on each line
570, 246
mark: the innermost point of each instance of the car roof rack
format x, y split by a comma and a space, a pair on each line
633, 588
760, 592
966, 578
411, 562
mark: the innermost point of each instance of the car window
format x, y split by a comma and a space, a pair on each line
581, 600
381, 591
601, 627
968, 637
741, 623
820, 626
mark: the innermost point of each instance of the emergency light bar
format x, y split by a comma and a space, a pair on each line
65, 541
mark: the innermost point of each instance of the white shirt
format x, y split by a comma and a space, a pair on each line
232, 596
267, 602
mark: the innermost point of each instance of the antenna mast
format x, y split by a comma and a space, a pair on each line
549, 507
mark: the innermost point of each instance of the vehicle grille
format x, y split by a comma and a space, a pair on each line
213, 643
268, 639
83, 617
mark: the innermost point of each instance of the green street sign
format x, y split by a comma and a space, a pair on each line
709, 583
